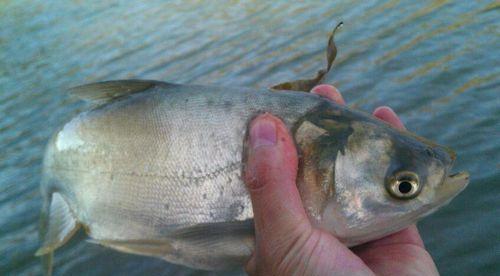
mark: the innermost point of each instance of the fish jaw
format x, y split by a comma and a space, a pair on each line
452, 185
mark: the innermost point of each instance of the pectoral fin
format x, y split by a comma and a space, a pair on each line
217, 245
307, 84
143, 247
209, 246
218, 234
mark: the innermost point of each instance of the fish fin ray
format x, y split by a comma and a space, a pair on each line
209, 233
107, 91
210, 246
233, 240
58, 225
140, 246
307, 84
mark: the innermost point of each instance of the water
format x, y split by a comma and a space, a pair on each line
435, 62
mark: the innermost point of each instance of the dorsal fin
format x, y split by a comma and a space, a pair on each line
106, 91
307, 84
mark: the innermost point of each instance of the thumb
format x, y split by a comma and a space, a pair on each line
270, 175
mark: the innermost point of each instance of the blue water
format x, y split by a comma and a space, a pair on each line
435, 62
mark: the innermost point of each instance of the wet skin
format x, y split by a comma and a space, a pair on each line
287, 242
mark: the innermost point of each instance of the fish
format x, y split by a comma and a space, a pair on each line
156, 169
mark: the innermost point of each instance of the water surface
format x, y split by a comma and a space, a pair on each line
435, 62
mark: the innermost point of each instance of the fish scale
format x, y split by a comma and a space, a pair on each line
156, 169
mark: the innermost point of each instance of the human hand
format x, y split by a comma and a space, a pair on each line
286, 241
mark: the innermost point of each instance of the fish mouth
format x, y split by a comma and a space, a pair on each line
454, 183
459, 178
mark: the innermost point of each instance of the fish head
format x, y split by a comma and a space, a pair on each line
363, 179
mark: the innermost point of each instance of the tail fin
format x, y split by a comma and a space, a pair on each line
57, 226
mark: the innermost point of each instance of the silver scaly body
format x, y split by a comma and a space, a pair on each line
156, 169
144, 167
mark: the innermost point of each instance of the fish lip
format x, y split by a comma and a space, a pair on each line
454, 183
459, 178
451, 186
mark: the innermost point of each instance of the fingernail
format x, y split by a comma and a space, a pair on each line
329, 92
388, 115
381, 108
262, 133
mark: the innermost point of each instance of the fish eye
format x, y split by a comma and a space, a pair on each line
404, 185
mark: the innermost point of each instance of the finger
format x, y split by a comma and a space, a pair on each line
409, 235
401, 251
329, 92
398, 259
270, 174
386, 113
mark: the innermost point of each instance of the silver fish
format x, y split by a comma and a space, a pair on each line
155, 169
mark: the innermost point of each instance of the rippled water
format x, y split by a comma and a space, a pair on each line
435, 62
